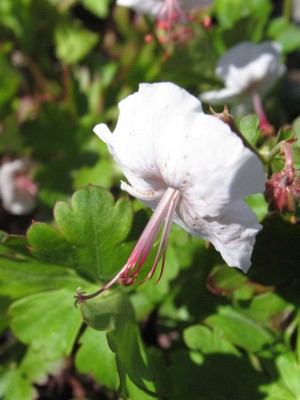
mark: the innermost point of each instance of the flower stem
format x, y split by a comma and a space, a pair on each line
269, 157
264, 124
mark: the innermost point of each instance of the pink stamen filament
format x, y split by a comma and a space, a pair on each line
164, 239
163, 214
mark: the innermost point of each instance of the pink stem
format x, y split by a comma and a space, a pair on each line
264, 123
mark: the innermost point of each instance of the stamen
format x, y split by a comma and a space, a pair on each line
164, 239
163, 214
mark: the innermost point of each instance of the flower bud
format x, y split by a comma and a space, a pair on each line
283, 188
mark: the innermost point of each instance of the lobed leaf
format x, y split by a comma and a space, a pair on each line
90, 236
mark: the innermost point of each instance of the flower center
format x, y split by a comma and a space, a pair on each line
163, 215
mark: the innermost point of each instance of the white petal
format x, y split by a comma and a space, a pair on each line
248, 64
221, 96
151, 7
105, 134
150, 199
232, 233
199, 155
143, 120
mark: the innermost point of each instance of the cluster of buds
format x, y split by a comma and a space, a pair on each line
168, 32
283, 188
171, 24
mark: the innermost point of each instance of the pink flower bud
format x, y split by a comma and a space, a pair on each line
283, 188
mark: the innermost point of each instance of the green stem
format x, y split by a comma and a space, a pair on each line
269, 157
228, 119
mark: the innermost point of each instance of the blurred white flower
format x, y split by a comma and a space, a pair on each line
17, 191
249, 71
164, 9
187, 166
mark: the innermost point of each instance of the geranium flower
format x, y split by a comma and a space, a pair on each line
248, 71
17, 190
189, 168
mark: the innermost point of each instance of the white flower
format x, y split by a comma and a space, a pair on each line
249, 71
245, 68
17, 191
187, 166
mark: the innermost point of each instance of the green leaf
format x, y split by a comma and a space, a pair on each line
13, 244
268, 309
287, 386
290, 372
95, 357
73, 43
231, 11
14, 386
201, 338
275, 391
48, 321
90, 236
240, 330
224, 280
103, 174
114, 311
144, 370
258, 204
103, 313
21, 276
99, 8
36, 367
213, 377
249, 128
285, 33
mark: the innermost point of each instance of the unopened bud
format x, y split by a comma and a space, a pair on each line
283, 188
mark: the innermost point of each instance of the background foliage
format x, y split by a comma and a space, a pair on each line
206, 331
